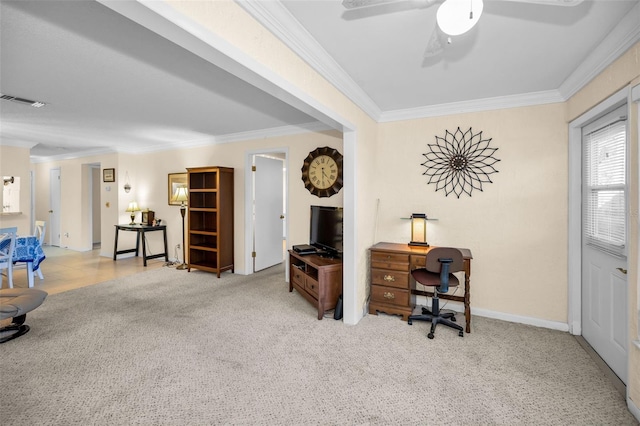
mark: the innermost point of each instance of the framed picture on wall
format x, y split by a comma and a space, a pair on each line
176, 180
109, 175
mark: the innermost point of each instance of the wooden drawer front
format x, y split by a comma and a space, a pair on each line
390, 278
311, 286
382, 260
418, 262
298, 276
389, 295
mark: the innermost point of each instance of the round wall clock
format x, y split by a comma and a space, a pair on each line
322, 172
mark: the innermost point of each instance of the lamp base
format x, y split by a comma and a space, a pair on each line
182, 266
133, 219
419, 244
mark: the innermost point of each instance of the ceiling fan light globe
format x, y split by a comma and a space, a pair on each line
456, 17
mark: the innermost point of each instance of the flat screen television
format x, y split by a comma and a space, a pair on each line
326, 230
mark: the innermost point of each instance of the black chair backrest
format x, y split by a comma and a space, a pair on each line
436, 253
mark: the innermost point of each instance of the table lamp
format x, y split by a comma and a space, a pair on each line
419, 230
133, 208
182, 195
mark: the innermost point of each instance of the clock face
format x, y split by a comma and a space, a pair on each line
322, 172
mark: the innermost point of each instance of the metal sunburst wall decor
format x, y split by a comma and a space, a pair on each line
460, 162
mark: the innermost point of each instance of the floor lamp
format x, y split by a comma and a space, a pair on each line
182, 195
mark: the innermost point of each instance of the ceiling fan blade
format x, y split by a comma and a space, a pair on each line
356, 4
436, 43
566, 3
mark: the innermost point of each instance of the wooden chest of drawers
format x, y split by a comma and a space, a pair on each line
391, 283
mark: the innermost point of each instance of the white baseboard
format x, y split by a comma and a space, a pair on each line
537, 322
633, 408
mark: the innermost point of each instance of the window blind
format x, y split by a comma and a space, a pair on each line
604, 218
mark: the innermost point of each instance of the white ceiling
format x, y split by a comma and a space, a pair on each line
112, 85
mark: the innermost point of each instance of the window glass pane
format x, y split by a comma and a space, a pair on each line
604, 213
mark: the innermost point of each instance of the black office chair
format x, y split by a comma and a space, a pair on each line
438, 273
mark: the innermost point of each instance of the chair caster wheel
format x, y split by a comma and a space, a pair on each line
460, 333
409, 322
430, 335
453, 319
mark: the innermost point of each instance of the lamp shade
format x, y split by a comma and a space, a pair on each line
133, 207
419, 230
181, 194
456, 17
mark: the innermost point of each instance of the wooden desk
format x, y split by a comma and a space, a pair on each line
141, 229
393, 290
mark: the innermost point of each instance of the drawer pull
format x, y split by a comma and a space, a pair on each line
388, 295
389, 278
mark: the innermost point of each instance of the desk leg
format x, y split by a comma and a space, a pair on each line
115, 245
144, 248
137, 242
467, 294
166, 250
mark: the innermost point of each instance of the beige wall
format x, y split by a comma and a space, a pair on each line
516, 227
14, 161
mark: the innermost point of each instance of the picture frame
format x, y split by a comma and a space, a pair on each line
109, 175
175, 181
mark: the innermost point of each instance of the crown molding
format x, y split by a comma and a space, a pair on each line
477, 105
623, 36
277, 19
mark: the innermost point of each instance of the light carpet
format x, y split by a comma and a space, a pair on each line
169, 347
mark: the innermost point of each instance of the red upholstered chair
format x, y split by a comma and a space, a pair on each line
438, 273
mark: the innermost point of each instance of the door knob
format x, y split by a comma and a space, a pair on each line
50, 211
281, 216
624, 271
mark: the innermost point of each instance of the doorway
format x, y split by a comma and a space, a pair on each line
598, 294
266, 218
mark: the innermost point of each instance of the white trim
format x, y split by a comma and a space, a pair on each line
624, 35
574, 272
633, 409
502, 102
519, 319
277, 19
315, 126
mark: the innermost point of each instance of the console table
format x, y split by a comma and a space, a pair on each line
140, 230
393, 290
318, 279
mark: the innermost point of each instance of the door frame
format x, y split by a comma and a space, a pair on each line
574, 260
248, 202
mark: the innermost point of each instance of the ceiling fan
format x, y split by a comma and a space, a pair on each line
454, 17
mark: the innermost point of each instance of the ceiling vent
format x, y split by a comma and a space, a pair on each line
35, 104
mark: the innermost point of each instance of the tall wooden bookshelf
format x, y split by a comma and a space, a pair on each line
210, 219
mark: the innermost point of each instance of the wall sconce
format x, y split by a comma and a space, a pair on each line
127, 187
419, 230
133, 208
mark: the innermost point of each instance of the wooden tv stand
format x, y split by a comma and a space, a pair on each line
317, 279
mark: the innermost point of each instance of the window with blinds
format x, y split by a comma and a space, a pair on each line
604, 184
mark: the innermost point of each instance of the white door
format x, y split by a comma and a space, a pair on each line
268, 212
604, 237
54, 208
